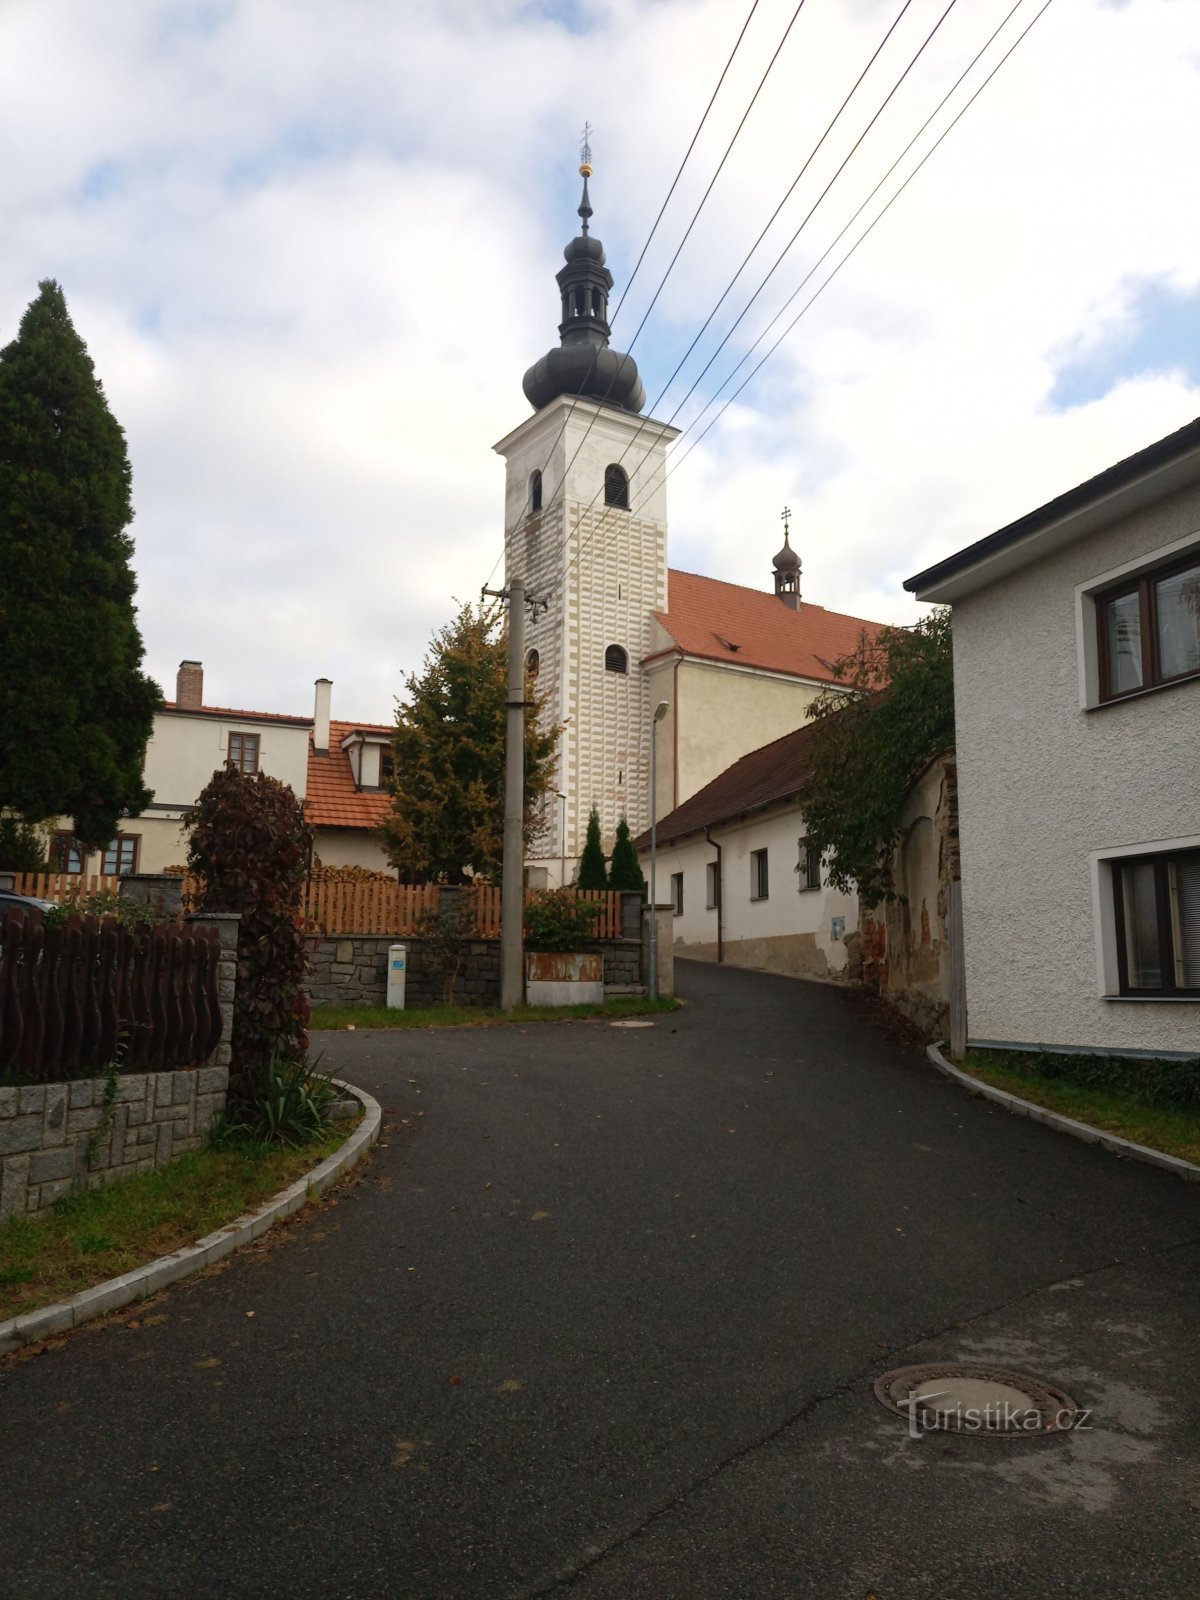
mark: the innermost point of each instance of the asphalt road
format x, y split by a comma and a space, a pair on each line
601, 1318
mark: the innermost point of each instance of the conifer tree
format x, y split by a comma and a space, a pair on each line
75, 708
448, 792
593, 870
625, 872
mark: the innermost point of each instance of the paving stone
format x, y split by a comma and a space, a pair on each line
20, 1133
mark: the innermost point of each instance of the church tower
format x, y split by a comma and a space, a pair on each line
585, 517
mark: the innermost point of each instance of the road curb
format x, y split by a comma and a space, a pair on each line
1187, 1170
33, 1326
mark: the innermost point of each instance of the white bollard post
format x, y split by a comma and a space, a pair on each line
397, 962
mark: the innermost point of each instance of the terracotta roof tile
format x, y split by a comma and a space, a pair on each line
724, 622
774, 772
332, 800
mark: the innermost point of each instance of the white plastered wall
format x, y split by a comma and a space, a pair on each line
1048, 788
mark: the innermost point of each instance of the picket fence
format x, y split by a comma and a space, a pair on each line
372, 906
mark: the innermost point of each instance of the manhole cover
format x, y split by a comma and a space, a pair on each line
633, 1022
989, 1401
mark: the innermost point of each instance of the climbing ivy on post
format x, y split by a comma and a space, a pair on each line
890, 714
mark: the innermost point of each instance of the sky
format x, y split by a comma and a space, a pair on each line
311, 249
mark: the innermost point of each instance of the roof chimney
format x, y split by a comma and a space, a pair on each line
189, 686
324, 687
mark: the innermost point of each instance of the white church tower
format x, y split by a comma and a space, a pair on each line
585, 517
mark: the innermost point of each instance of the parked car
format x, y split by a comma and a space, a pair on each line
10, 900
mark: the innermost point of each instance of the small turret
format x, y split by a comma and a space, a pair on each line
787, 569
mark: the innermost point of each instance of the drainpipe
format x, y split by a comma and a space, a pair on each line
720, 897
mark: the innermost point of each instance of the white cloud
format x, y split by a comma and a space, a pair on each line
311, 249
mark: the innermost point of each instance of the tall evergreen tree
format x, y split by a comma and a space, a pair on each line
448, 806
593, 870
75, 708
625, 872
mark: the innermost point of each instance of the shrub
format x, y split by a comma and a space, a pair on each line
285, 1101
23, 846
134, 914
443, 931
593, 873
249, 850
559, 921
1150, 1082
626, 872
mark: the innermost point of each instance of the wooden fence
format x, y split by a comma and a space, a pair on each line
374, 906
76, 997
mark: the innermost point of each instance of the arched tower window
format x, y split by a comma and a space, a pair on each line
535, 492
616, 488
615, 659
533, 662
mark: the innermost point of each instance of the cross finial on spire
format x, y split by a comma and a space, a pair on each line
585, 150
785, 517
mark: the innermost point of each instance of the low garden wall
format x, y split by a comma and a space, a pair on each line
351, 970
59, 1137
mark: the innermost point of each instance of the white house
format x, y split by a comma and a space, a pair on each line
1077, 703
746, 887
337, 768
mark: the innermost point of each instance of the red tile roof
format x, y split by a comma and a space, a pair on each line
725, 622
332, 800
773, 773
229, 711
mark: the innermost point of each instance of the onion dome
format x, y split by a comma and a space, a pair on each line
583, 363
787, 570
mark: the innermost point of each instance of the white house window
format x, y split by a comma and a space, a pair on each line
758, 875
243, 752
121, 856
1157, 903
808, 867
1148, 629
711, 884
677, 892
67, 854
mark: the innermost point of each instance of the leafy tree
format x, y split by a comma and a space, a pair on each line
249, 847
892, 712
448, 808
23, 847
75, 708
593, 869
626, 873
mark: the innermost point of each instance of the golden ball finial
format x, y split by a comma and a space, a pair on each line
585, 169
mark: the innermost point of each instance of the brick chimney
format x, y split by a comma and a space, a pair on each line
189, 686
324, 688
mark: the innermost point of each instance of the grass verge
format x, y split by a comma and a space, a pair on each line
480, 1016
1174, 1131
88, 1238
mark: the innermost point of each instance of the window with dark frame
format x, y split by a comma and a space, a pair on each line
533, 662
387, 766
243, 752
1157, 903
759, 881
67, 854
615, 659
677, 892
121, 856
1148, 629
711, 885
808, 868
616, 486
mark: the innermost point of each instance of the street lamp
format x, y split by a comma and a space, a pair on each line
660, 712
562, 839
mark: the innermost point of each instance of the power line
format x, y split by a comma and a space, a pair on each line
654, 229
791, 242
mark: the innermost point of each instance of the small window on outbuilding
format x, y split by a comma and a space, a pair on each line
533, 662
535, 492
615, 659
616, 486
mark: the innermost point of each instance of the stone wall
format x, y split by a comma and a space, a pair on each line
352, 971
60, 1137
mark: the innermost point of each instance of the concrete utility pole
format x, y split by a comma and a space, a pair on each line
660, 712
512, 880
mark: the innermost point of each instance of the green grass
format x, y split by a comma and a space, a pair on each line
1174, 1131
480, 1016
87, 1238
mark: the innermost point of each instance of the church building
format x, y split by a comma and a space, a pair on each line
616, 632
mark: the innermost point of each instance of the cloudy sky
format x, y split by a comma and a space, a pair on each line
311, 248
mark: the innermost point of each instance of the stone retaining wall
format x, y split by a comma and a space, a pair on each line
352, 971
60, 1137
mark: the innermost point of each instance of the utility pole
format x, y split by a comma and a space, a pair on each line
512, 881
